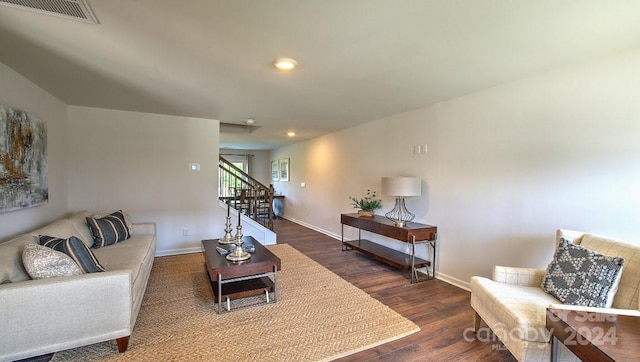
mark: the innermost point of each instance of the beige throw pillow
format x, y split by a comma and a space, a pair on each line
42, 262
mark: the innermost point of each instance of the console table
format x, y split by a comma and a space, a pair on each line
412, 233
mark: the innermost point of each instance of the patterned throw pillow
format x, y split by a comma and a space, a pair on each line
580, 276
42, 262
109, 229
76, 249
127, 219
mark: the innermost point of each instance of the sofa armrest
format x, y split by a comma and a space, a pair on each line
527, 277
144, 228
48, 315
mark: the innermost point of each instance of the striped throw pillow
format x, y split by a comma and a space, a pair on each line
109, 229
76, 249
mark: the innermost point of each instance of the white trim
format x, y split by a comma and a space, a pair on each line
179, 251
454, 281
313, 227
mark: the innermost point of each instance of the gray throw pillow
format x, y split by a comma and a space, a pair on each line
109, 229
42, 262
580, 276
76, 249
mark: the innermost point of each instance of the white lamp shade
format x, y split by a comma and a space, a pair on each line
401, 186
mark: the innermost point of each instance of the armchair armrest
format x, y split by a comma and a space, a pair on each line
527, 277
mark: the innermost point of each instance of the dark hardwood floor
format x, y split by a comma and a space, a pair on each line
441, 310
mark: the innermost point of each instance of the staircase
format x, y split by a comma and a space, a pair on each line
245, 194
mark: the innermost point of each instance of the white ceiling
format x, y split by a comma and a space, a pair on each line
359, 60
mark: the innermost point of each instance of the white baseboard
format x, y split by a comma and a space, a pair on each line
454, 281
313, 227
179, 251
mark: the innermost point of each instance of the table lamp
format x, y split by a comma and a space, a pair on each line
400, 187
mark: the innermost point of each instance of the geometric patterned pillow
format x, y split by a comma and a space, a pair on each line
580, 276
109, 229
42, 262
76, 249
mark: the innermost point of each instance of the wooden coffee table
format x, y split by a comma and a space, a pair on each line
236, 280
594, 336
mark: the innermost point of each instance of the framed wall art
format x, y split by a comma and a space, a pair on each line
23, 160
275, 171
284, 169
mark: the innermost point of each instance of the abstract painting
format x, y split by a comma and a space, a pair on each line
23, 160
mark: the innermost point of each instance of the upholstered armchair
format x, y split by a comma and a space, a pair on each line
513, 304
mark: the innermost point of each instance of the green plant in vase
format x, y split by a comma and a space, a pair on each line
367, 204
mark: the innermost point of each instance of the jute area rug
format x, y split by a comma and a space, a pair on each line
318, 317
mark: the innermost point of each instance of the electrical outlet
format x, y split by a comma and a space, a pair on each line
416, 150
423, 148
185, 231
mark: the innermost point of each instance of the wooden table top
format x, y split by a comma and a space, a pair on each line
262, 260
596, 336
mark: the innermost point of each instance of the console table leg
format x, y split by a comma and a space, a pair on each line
342, 236
433, 259
414, 275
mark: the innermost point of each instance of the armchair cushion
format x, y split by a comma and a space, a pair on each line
580, 276
518, 310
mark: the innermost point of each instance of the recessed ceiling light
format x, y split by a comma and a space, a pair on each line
291, 134
250, 121
285, 63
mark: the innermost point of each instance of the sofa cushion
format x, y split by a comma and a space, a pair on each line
11, 268
79, 221
580, 276
42, 262
76, 249
109, 229
135, 254
61, 228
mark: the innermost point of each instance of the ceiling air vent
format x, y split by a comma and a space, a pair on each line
70, 9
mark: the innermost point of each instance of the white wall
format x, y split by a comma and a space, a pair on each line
18, 92
139, 162
505, 167
261, 166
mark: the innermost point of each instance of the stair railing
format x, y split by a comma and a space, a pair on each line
245, 194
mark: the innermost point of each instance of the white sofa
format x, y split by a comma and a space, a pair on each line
513, 304
48, 315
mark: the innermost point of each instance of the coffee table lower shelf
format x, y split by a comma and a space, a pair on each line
226, 290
